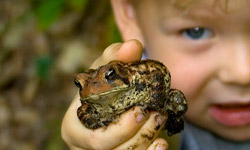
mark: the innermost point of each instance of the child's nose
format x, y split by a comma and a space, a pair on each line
235, 66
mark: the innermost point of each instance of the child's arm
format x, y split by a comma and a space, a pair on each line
133, 129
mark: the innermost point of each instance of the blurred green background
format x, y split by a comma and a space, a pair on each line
43, 43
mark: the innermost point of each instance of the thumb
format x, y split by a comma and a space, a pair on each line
126, 52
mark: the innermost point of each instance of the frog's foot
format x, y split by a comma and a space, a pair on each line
177, 102
174, 123
144, 110
175, 107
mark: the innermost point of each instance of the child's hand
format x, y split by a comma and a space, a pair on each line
132, 130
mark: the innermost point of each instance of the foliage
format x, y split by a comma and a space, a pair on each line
39, 39
48, 11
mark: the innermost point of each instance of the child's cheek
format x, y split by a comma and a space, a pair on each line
191, 80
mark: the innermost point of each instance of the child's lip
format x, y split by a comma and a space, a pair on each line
233, 114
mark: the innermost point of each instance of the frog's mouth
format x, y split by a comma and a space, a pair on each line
107, 97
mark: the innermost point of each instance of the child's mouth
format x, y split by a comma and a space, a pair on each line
231, 114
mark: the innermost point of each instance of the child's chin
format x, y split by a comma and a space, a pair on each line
234, 133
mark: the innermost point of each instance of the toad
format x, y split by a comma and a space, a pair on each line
111, 89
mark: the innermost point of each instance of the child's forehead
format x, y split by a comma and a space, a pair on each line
196, 9
224, 6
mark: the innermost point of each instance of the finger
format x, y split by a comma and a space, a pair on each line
159, 144
73, 147
118, 132
71, 123
128, 51
74, 133
105, 58
146, 134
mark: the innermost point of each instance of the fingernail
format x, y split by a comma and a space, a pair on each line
110, 52
140, 117
160, 147
160, 119
118, 45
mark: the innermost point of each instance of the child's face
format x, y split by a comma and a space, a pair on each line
206, 47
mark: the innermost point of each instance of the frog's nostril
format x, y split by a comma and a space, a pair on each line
77, 83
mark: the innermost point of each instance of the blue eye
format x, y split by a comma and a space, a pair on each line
197, 33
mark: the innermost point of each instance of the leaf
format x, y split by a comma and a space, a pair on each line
43, 66
113, 35
48, 11
78, 4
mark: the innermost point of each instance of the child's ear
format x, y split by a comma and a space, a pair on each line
126, 20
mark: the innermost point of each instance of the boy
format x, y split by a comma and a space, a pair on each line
205, 44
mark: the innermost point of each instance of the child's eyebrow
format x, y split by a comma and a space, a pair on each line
192, 17
203, 14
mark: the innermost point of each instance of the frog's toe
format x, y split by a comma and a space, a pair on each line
174, 124
178, 102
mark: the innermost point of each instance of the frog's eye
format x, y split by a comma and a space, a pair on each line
77, 83
110, 74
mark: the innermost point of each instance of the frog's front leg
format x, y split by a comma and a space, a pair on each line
177, 102
144, 110
175, 107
